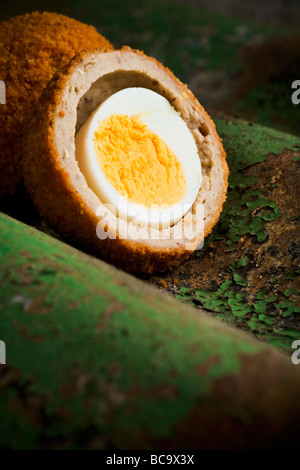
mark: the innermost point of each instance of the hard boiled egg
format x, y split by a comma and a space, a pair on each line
138, 156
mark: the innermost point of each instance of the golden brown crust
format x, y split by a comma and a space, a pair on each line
212, 129
64, 208
32, 47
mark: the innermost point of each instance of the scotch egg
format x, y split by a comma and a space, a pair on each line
118, 157
138, 155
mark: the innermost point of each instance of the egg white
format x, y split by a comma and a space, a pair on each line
161, 118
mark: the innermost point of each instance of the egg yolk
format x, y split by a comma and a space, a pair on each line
137, 162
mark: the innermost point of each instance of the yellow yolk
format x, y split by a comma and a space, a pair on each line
139, 158
137, 162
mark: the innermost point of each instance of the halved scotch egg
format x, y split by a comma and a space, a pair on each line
118, 158
138, 155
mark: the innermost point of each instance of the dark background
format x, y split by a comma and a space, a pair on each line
238, 57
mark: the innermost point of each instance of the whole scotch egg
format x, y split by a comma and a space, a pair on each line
118, 158
138, 155
32, 47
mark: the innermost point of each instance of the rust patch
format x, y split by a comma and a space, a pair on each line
203, 369
37, 306
270, 263
113, 307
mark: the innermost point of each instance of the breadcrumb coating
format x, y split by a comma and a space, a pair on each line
32, 47
59, 190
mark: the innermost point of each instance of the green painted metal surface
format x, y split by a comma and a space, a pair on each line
247, 273
99, 359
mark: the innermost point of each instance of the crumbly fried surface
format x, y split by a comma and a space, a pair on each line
58, 188
32, 47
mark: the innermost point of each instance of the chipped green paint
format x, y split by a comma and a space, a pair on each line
245, 274
231, 307
289, 292
234, 223
245, 210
